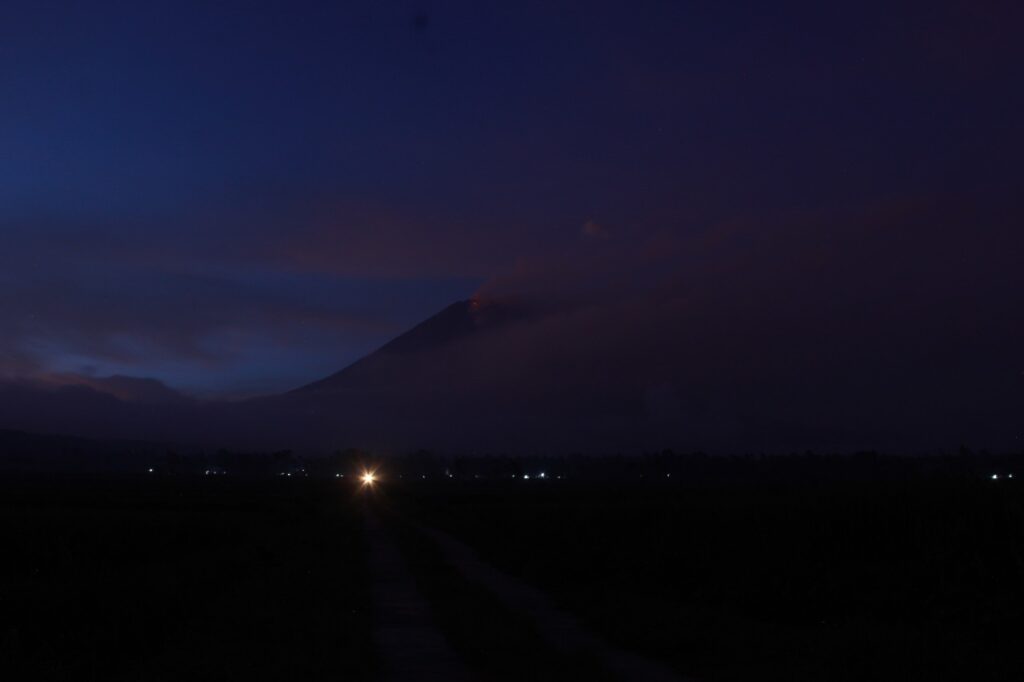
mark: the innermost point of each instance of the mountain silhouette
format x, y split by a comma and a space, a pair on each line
459, 321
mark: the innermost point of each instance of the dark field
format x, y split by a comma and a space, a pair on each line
721, 578
181, 579
913, 579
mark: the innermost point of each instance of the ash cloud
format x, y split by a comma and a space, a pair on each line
887, 326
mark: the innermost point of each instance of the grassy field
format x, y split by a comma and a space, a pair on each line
885, 580
181, 579
724, 578
495, 642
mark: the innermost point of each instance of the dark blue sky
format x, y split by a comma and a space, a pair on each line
242, 197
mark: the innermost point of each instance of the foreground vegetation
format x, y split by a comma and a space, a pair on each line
188, 578
753, 576
796, 568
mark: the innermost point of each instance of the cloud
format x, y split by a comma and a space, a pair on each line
144, 391
888, 326
594, 230
74, 297
15, 362
879, 326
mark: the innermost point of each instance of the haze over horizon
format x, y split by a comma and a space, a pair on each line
730, 225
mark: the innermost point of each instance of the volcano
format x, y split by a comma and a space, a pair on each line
460, 321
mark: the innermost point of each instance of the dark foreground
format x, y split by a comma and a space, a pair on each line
740, 577
181, 579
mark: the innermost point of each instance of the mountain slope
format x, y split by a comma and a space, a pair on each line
459, 321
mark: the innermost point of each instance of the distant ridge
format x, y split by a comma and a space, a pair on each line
26, 453
459, 320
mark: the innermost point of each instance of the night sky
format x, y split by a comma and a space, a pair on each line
239, 198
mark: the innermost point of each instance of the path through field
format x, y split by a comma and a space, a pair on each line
560, 630
412, 645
